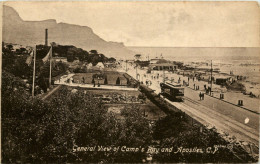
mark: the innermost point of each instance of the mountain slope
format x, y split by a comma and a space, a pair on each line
15, 30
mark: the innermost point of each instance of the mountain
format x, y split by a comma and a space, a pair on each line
16, 30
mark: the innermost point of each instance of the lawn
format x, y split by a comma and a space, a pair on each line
111, 78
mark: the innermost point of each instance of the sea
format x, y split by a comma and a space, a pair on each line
242, 61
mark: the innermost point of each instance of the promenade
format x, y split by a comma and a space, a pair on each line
226, 116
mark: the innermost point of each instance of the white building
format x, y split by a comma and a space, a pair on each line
100, 65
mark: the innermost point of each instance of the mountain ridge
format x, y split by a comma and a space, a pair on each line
18, 31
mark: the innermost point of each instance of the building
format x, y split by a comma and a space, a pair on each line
60, 59
100, 65
154, 61
89, 66
138, 57
163, 66
110, 65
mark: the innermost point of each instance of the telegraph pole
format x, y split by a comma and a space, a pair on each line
211, 78
163, 75
50, 57
126, 65
34, 61
136, 71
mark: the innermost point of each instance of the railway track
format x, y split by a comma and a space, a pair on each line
224, 124
235, 125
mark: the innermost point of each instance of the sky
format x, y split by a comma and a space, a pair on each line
157, 24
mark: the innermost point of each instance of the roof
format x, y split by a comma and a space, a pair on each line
100, 63
173, 84
163, 64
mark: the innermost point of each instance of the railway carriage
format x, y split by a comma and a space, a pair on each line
172, 91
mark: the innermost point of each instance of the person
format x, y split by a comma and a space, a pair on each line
193, 79
200, 95
188, 79
205, 87
98, 84
194, 86
94, 84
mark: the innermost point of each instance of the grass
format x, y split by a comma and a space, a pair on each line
111, 78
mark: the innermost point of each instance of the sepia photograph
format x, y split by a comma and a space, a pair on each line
130, 82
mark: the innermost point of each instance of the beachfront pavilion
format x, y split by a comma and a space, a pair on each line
163, 66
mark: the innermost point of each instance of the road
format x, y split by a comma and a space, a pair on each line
211, 111
225, 117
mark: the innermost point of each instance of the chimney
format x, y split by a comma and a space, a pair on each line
46, 37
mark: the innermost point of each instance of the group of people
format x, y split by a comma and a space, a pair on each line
94, 84
148, 82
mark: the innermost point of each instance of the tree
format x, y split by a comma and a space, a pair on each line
93, 51
111, 60
10, 47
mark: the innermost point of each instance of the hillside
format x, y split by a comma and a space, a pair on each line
16, 30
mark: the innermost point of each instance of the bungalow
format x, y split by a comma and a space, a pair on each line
60, 59
100, 65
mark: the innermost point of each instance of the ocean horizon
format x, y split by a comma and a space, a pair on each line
226, 54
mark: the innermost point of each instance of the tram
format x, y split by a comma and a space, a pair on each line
172, 91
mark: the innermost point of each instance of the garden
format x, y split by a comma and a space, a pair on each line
104, 78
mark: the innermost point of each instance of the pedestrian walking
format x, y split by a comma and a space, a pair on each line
205, 87
94, 84
200, 95
188, 79
193, 79
194, 86
98, 84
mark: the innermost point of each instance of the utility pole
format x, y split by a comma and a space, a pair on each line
126, 66
136, 71
163, 75
211, 78
34, 61
50, 65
